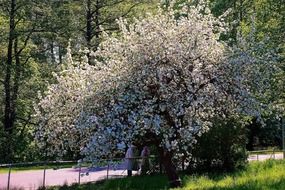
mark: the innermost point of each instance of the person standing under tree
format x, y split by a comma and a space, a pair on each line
130, 159
145, 160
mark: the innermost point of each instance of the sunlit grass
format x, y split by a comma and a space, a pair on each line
258, 175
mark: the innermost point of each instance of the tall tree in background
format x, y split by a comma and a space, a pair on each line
267, 16
100, 14
21, 21
12, 64
59, 29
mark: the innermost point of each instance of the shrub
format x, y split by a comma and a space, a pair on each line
222, 148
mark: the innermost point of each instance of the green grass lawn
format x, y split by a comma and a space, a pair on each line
268, 175
258, 175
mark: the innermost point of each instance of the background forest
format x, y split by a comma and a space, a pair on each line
35, 35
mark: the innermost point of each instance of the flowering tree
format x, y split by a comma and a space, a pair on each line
161, 82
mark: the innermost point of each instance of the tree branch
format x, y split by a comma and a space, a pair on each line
130, 9
25, 42
111, 4
27, 121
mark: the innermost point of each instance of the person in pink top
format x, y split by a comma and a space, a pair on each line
145, 160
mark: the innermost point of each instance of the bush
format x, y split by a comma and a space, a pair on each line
262, 137
222, 148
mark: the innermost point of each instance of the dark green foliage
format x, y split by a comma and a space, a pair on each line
221, 148
261, 137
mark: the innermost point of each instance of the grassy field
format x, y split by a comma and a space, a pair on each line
258, 175
268, 175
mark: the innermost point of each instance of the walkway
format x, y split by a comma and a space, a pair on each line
31, 180
262, 157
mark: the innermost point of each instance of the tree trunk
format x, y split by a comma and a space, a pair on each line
89, 31
52, 52
241, 11
92, 27
97, 27
170, 169
60, 54
8, 120
16, 81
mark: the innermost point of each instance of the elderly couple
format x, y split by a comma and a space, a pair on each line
131, 160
